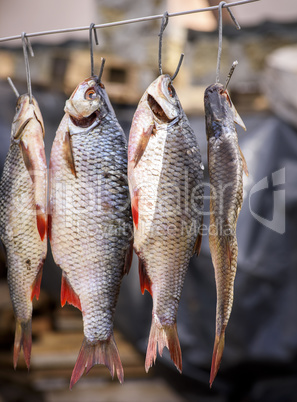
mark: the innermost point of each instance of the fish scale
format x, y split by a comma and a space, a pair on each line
92, 250
163, 172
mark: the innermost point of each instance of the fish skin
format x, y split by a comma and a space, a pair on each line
91, 223
164, 165
226, 165
23, 219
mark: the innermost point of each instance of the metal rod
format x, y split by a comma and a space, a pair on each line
124, 22
16, 92
234, 64
101, 69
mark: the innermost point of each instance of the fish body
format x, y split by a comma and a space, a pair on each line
165, 179
90, 219
226, 165
23, 219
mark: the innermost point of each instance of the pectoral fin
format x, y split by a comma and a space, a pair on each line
237, 119
28, 157
68, 154
142, 143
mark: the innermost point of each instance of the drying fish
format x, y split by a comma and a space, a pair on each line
165, 179
90, 219
23, 219
226, 165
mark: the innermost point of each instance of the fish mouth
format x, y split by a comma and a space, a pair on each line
157, 109
85, 122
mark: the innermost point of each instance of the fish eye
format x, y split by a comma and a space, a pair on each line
171, 90
90, 94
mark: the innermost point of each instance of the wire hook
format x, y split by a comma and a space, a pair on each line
222, 3
92, 30
27, 46
163, 26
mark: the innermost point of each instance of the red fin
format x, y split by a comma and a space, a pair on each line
41, 219
23, 338
162, 336
217, 356
197, 246
102, 352
128, 258
68, 294
134, 206
142, 144
145, 282
36, 285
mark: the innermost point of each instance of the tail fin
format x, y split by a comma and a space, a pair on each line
163, 336
102, 352
23, 338
217, 355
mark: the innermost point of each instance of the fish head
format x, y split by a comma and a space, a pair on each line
23, 114
219, 109
88, 103
163, 101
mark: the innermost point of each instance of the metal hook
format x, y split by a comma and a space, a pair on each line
101, 69
16, 92
26, 46
163, 26
234, 64
222, 3
92, 30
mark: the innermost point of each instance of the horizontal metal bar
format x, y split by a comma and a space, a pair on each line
124, 22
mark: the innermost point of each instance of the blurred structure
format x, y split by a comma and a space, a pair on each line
259, 362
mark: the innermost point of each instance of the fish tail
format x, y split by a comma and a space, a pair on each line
101, 352
23, 338
217, 355
161, 336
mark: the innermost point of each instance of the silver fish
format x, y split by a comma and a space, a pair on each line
226, 164
90, 219
165, 175
23, 217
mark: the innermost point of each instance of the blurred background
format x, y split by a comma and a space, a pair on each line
260, 357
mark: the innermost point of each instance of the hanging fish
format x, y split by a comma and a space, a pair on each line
90, 219
226, 164
165, 179
23, 219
